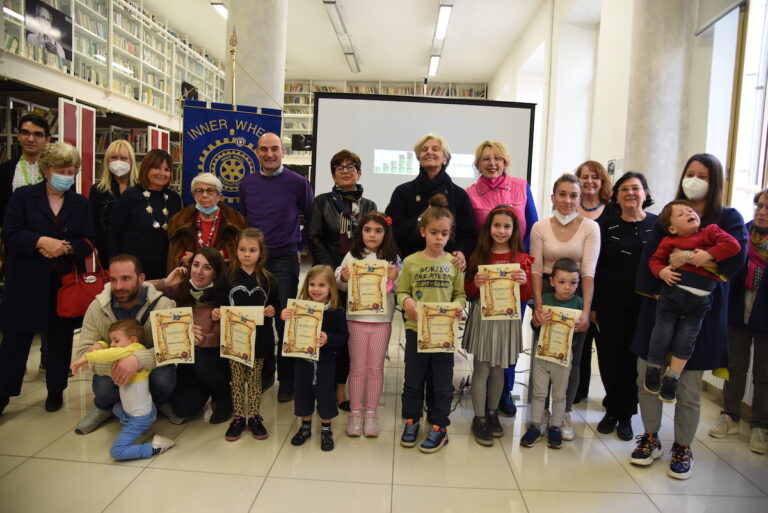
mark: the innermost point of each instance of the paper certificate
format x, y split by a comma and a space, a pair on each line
173, 335
556, 337
500, 294
238, 332
367, 287
438, 327
303, 329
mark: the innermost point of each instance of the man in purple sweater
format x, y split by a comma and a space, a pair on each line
278, 201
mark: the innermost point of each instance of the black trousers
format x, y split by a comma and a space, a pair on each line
315, 384
418, 367
208, 377
285, 269
618, 365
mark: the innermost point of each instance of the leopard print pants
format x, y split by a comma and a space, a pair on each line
243, 375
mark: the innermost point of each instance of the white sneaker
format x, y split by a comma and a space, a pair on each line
758, 441
162, 443
725, 426
566, 428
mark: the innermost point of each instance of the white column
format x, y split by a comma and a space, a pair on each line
659, 87
261, 27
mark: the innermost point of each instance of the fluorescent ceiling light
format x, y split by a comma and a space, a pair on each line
443, 17
12, 13
332, 7
434, 62
346, 43
352, 62
220, 8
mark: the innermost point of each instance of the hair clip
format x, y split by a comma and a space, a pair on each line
387, 219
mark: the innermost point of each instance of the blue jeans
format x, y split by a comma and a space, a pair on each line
133, 427
678, 321
162, 381
285, 269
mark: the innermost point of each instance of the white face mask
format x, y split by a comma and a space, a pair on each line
119, 168
695, 188
564, 219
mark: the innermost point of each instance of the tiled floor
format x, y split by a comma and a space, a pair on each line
45, 467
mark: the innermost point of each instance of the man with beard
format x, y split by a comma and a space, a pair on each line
126, 297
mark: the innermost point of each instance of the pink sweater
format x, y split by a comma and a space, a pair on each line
583, 248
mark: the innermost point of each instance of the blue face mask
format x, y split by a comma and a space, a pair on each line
61, 183
207, 211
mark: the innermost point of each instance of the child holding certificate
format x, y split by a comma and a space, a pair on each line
495, 344
315, 381
250, 284
564, 280
369, 334
135, 410
428, 276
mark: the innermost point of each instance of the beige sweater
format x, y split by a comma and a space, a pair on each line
583, 248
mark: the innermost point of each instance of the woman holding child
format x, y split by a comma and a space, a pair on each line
702, 185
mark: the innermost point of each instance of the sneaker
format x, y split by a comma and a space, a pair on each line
554, 437
235, 429
607, 424
652, 382
507, 405
681, 465
497, 431
758, 440
93, 419
169, 414
371, 428
531, 436
566, 427
160, 444
326, 440
647, 451
256, 425
354, 424
668, 390
624, 430
302, 435
725, 426
435, 440
481, 431
410, 434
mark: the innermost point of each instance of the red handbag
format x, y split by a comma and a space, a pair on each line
78, 290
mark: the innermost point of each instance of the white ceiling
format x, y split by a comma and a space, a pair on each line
392, 38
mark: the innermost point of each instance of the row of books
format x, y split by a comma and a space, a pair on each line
90, 48
90, 24
154, 81
96, 5
126, 45
125, 88
125, 23
93, 74
135, 136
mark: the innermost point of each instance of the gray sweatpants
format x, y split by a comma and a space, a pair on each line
542, 372
487, 386
687, 407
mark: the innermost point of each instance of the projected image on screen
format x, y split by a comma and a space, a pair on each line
383, 130
404, 162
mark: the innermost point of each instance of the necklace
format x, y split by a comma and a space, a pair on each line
199, 226
585, 209
149, 209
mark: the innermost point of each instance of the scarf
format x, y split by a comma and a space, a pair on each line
431, 186
201, 295
348, 205
757, 259
494, 183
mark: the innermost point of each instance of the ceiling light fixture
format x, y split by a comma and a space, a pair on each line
434, 63
220, 8
333, 9
441, 29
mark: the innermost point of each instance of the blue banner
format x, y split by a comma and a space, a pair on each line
222, 140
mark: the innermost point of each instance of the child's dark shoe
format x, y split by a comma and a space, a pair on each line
668, 392
497, 431
554, 438
531, 436
326, 440
410, 434
507, 405
302, 435
256, 425
235, 429
481, 431
652, 381
436, 439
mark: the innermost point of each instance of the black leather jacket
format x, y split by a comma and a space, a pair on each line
324, 229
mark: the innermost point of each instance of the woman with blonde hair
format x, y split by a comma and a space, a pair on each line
118, 172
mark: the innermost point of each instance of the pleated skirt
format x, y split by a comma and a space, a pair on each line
496, 342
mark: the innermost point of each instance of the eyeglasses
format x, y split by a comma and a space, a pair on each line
349, 167
27, 133
759, 206
625, 190
206, 191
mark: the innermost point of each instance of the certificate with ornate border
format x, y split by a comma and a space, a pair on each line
367, 287
500, 294
173, 335
556, 337
303, 329
438, 327
238, 332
